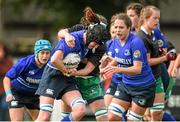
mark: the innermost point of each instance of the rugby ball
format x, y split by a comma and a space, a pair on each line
71, 60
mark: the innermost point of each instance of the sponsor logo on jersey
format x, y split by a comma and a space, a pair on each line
127, 52
123, 61
31, 80
137, 54
31, 72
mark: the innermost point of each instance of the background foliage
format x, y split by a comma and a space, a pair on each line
67, 12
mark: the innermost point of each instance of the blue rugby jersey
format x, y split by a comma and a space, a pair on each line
25, 75
132, 50
116, 78
162, 42
79, 47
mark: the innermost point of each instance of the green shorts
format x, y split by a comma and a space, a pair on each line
90, 88
159, 85
169, 88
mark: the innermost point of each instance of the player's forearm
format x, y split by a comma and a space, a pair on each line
130, 70
7, 85
156, 61
177, 62
87, 70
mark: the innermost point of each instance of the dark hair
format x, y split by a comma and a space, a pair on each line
92, 18
122, 16
137, 7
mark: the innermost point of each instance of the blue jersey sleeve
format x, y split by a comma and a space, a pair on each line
17, 69
162, 42
137, 49
110, 47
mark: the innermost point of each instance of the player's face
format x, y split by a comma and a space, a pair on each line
121, 29
112, 31
134, 18
43, 56
153, 20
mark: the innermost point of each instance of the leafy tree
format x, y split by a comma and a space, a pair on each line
68, 12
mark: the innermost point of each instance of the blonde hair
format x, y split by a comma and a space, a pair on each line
146, 13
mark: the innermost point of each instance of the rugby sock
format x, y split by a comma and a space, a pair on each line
168, 117
64, 114
124, 117
68, 118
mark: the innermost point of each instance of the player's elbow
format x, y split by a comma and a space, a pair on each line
54, 61
137, 70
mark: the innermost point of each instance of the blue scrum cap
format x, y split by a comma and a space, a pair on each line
41, 45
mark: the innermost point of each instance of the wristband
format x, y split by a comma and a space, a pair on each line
8, 92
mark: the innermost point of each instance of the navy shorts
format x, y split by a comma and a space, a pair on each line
54, 84
30, 101
112, 89
142, 96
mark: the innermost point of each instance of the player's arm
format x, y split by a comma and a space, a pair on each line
70, 40
170, 68
155, 61
176, 66
133, 70
7, 88
85, 71
57, 61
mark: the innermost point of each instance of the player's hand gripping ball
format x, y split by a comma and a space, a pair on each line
71, 60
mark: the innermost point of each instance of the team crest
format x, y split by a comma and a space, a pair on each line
126, 52
160, 43
137, 54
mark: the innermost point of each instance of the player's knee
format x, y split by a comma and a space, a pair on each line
78, 105
45, 110
157, 115
115, 112
157, 111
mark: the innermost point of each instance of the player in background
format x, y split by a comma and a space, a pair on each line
106, 59
87, 73
149, 19
133, 11
22, 80
137, 76
56, 85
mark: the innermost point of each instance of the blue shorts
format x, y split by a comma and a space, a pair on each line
30, 101
54, 84
142, 96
